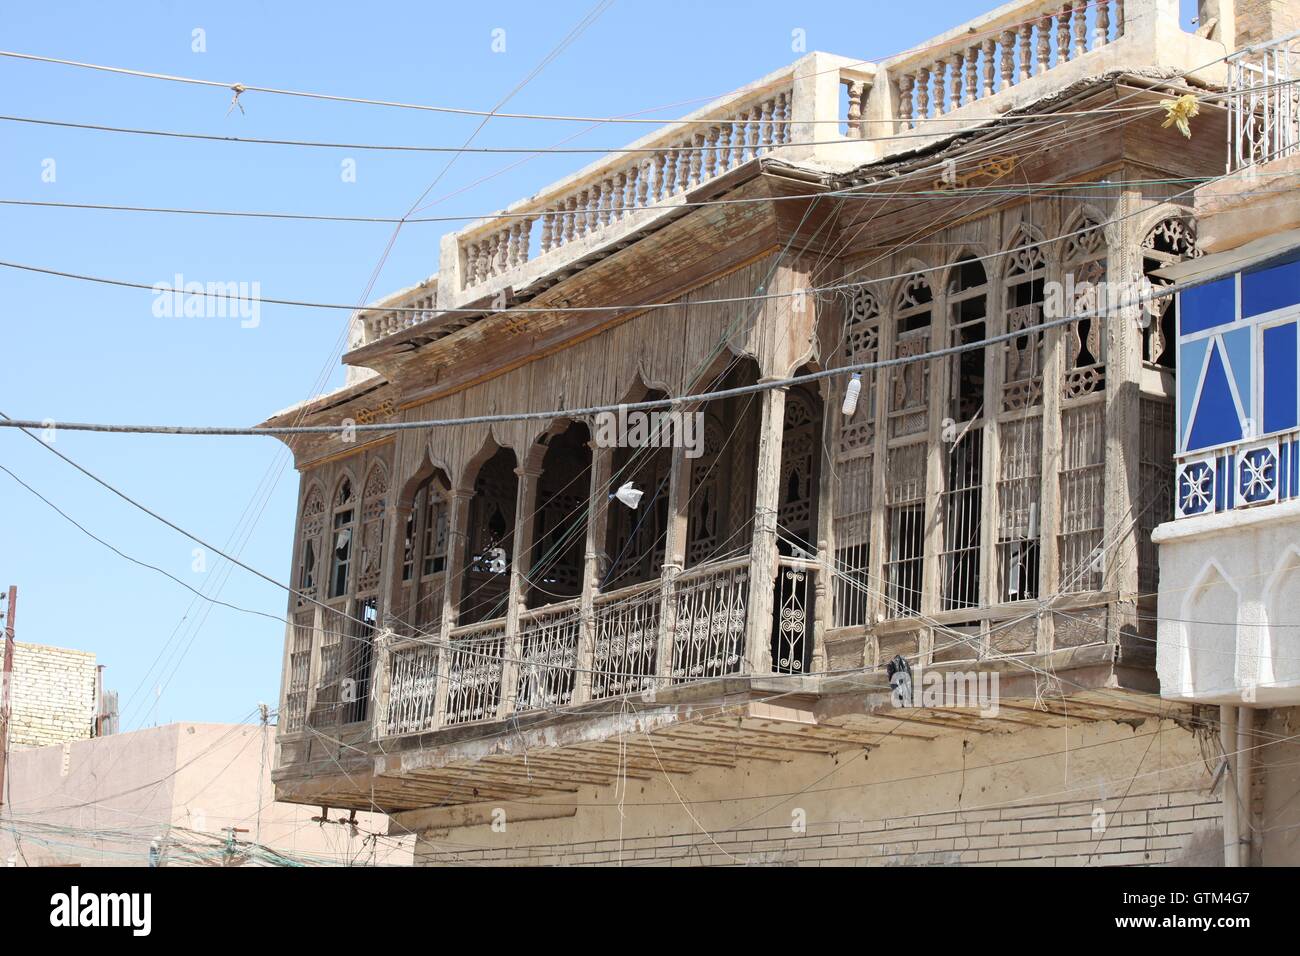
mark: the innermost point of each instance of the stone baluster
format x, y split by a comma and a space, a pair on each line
1119, 18
971, 78
525, 237
643, 184
605, 213
753, 131
1043, 47
1007, 64
940, 71
503, 252
623, 190
580, 215
724, 151
906, 90
1026, 40
988, 49
783, 113
1080, 27
512, 245
853, 116
570, 218
669, 180
1063, 34
697, 155
471, 263
765, 126
548, 225
1101, 34
954, 82
710, 154
593, 209
923, 93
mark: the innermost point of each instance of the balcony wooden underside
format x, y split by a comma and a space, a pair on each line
713, 724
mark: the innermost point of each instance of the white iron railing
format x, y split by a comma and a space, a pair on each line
1263, 104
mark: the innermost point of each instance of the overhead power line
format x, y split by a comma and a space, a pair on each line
406, 148
1087, 190
665, 403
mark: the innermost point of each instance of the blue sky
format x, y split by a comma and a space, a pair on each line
78, 351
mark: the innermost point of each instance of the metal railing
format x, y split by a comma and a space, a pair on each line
1263, 104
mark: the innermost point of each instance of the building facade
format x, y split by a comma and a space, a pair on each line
56, 696
489, 642
175, 795
1229, 605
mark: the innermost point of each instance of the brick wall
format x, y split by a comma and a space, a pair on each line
1260, 20
53, 696
1090, 794
1152, 829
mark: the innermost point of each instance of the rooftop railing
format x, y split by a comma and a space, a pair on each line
825, 111
1263, 106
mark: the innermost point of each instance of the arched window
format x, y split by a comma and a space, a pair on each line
311, 525
1022, 376
861, 345
341, 543
374, 499
1084, 268
424, 556
560, 517
491, 534
910, 382
852, 478
967, 313
704, 519
1173, 240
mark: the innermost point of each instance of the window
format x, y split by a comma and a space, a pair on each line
852, 482
1019, 499
373, 516
435, 533
1085, 273
962, 520
1022, 377
967, 305
360, 663
910, 382
1082, 502
311, 525
853, 542
1173, 240
341, 556
905, 531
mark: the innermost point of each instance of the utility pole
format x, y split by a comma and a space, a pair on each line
6, 686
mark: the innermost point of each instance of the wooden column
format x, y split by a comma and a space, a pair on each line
453, 583
995, 322
1049, 508
936, 478
819, 623
1123, 425
525, 503
389, 581
763, 551
594, 566
679, 493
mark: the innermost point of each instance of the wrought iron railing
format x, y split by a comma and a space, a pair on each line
1263, 104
